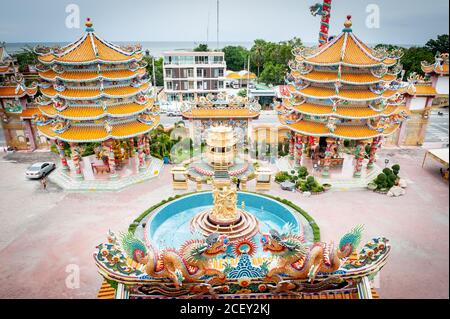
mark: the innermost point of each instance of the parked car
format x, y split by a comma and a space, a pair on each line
173, 113
38, 170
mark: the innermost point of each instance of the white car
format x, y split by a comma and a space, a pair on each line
38, 170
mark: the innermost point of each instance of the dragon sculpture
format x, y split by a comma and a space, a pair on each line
188, 264
298, 261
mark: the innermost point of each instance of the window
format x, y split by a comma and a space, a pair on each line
169, 73
188, 73
201, 60
169, 85
200, 73
218, 59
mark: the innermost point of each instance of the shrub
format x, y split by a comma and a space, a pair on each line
302, 172
396, 169
310, 185
281, 177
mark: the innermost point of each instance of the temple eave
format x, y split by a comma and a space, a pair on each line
89, 134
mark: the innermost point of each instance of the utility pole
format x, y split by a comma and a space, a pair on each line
217, 24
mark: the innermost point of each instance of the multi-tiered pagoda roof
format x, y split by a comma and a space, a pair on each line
93, 90
343, 89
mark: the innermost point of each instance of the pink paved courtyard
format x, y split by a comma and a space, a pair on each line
44, 232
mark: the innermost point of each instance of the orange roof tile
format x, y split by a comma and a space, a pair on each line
84, 93
91, 75
10, 92
220, 113
343, 111
94, 133
86, 112
28, 113
357, 132
350, 94
352, 78
425, 90
347, 49
90, 48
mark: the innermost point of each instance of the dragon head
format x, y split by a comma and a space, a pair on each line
283, 245
195, 251
216, 244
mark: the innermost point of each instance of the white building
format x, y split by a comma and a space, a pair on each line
189, 75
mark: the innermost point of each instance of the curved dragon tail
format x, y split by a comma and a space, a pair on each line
133, 247
353, 238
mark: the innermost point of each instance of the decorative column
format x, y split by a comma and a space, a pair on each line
327, 160
141, 153
111, 161
298, 149
147, 147
376, 142
359, 158
291, 145
30, 134
132, 150
62, 155
76, 161
312, 146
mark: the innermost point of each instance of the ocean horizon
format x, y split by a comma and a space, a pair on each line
156, 48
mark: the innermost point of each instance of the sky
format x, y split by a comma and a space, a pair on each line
400, 21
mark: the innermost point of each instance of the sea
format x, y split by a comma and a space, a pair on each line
156, 48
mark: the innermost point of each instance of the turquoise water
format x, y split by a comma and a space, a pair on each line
170, 225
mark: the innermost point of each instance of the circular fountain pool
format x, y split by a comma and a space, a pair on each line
169, 226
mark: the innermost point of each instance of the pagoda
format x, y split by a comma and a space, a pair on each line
341, 90
15, 99
95, 91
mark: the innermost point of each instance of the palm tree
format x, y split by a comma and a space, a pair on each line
258, 50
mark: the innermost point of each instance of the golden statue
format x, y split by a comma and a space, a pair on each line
225, 200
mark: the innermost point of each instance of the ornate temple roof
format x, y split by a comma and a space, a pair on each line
94, 75
222, 106
347, 78
343, 89
88, 49
94, 93
93, 90
99, 131
16, 92
345, 49
94, 113
440, 65
347, 131
346, 112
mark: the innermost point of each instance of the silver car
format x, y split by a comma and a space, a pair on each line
41, 169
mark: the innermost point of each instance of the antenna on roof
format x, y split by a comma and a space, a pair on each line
217, 24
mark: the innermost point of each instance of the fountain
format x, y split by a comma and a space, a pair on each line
224, 217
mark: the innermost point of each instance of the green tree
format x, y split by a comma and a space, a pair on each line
413, 57
273, 73
202, 47
236, 57
257, 54
158, 69
441, 44
25, 57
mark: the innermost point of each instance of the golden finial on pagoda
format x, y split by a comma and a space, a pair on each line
89, 25
348, 24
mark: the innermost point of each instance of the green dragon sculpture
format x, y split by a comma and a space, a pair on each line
188, 264
298, 261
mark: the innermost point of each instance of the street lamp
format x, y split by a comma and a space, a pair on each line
386, 162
